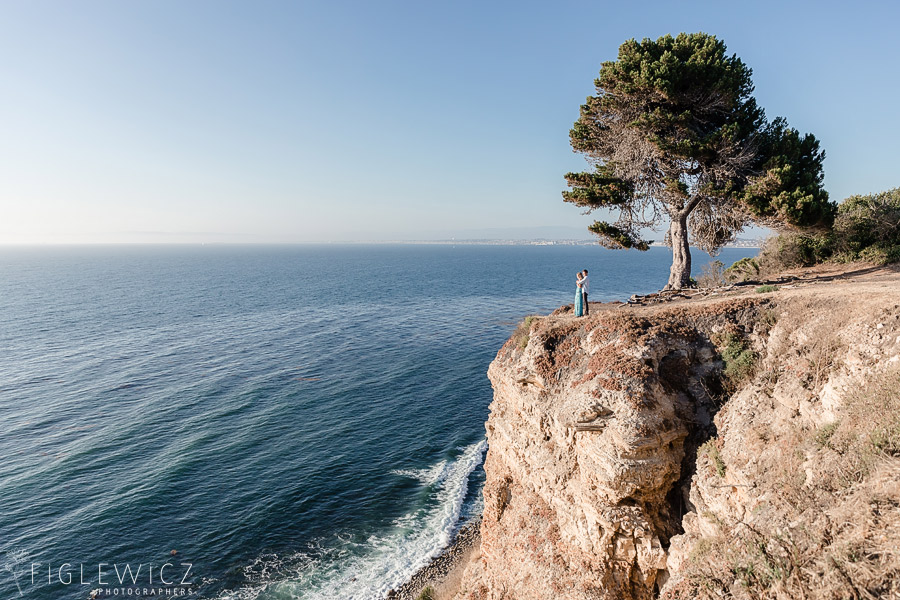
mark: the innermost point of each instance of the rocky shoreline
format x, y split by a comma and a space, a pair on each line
441, 569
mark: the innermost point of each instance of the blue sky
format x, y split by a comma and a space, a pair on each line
264, 121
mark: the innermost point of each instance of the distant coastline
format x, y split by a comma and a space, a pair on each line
739, 243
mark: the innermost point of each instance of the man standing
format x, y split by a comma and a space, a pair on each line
584, 291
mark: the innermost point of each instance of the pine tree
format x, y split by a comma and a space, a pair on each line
674, 134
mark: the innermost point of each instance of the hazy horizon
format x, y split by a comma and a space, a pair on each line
520, 234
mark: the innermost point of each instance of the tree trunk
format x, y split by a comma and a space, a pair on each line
680, 274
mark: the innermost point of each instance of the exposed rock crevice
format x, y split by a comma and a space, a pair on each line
589, 431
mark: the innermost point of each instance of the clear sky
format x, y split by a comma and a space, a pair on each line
278, 121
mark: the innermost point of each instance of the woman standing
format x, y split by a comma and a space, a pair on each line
579, 297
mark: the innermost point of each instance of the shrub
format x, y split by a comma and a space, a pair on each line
792, 250
426, 594
881, 254
745, 269
868, 227
711, 451
712, 275
823, 435
765, 289
865, 228
740, 361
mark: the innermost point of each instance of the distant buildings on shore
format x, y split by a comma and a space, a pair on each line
739, 243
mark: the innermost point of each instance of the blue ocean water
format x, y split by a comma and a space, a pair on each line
296, 422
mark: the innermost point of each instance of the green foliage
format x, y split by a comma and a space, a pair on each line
792, 250
886, 439
740, 361
824, 433
667, 80
762, 568
745, 269
765, 289
616, 238
740, 366
426, 594
880, 254
768, 317
865, 228
593, 190
813, 249
868, 227
787, 189
711, 451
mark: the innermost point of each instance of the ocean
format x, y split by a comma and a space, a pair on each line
292, 421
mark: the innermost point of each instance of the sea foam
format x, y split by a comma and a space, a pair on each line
341, 569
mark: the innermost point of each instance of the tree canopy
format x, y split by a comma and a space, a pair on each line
675, 134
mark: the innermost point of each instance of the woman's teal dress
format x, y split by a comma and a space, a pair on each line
579, 302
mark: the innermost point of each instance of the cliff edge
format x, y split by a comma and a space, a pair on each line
738, 445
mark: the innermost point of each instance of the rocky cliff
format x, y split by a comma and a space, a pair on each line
738, 445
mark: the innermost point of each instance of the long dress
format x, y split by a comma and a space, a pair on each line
579, 302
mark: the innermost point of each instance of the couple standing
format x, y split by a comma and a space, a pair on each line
581, 294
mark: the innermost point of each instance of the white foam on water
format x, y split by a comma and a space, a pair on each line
429, 476
366, 571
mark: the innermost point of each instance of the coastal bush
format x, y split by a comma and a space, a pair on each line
712, 275
866, 228
793, 250
768, 318
740, 360
426, 594
746, 269
824, 433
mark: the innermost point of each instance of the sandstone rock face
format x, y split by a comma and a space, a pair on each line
591, 422
595, 488
784, 498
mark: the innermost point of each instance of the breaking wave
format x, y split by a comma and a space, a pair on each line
343, 569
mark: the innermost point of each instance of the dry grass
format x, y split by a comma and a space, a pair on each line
522, 334
711, 452
819, 345
867, 432
712, 275
834, 536
821, 357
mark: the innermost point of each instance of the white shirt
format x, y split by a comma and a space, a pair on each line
584, 285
